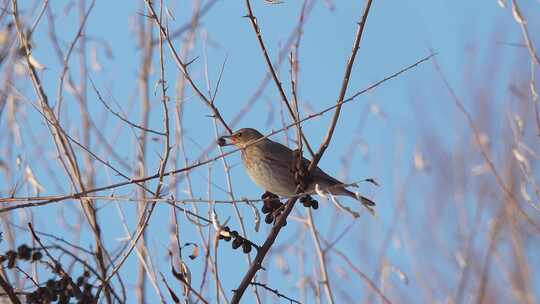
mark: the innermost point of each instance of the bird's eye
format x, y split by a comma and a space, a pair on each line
239, 134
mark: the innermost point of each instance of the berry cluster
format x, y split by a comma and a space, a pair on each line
272, 207
227, 235
63, 290
308, 201
23, 253
60, 290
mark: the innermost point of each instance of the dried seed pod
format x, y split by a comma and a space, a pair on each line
50, 284
315, 204
87, 288
305, 198
266, 208
63, 299
276, 203
269, 218
246, 247
63, 283
31, 298
237, 242
80, 281
267, 195
24, 252
36, 256
234, 233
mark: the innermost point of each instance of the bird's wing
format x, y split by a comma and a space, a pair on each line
319, 174
279, 152
287, 157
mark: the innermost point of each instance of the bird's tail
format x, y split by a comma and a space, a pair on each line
369, 204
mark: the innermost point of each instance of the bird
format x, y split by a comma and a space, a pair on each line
271, 165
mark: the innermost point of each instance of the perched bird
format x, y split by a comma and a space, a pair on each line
271, 166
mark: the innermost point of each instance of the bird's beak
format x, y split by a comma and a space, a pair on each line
226, 140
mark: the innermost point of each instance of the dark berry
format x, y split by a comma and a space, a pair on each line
266, 209
269, 218
315, 204
234, 233
50, 284
80, 280
237, 242
276, 204
36, 256
63, 299
87, 288
24, 252
246, 247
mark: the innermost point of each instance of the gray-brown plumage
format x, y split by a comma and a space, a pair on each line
270, 165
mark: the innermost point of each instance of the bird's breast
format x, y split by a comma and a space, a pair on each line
271, 173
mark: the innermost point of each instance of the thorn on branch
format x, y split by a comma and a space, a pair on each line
274, 291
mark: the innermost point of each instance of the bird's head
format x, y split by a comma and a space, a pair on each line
240, 138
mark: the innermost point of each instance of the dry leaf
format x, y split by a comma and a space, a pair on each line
35, 63
94, 62
521, 158
30, 178
419, 161
523, 190
195, 252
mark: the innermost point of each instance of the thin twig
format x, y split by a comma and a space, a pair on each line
248, 277
483, 150
275, 291
322, 258
210, 160
118, 114
183, 68
279, 86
